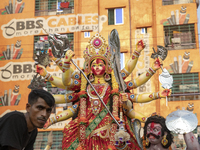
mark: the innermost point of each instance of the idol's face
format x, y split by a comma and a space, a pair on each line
98, 67
154, 133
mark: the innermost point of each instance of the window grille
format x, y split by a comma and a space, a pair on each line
42, 138
179, 37
174, 2
44, 44
115, 16
54, 90
110, 16
49, 86
52, 7
185, 87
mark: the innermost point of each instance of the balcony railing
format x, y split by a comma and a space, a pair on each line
180, 37
180, 41
54, 12
184, 97
174, 2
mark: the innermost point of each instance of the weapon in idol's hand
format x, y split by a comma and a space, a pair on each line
181, 121
161, 53
165, 78
58, 43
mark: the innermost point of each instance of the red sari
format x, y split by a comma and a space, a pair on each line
98, 128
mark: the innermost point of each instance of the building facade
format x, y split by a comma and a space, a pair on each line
25, 26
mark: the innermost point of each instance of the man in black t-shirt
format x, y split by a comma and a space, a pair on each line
18, 131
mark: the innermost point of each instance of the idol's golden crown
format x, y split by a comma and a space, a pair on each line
97, 48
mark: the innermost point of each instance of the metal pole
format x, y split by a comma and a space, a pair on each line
96, 93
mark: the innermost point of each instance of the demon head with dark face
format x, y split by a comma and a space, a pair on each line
156, 132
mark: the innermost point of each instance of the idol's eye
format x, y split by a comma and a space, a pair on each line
155, 130
148, 129
93, 66
100, 65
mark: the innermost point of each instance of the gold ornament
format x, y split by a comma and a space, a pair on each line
164, 140
107, 77
91, 77
97, 49
147, 142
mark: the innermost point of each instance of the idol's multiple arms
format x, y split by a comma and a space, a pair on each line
64, 115
143, 78
141, 98
130, 65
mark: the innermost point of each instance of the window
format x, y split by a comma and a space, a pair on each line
122, 60
42, 138
115, 16
41, 43
59, 7
143, 30
53, 7
53, 89
173, 2
179, 37
86, 34
185, 87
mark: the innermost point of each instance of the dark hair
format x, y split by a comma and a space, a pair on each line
161, 121
35, 94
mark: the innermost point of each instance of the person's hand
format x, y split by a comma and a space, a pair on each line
140, 46
41, 70
50, 138
68, 56
157, 64
165, 93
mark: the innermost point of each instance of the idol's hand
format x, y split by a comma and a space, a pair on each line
165, 92
41, 70
47, 124
68, 56
140, 46
50, 54
124, 97
157, 64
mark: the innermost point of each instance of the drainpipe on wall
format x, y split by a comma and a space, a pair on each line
154, 35
130, 30
98, 14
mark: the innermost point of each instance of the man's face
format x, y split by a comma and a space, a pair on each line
38, 113
98, 67
154, 133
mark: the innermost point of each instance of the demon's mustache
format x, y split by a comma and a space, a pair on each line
156, 136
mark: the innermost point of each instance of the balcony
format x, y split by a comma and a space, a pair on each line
54, 12
185, 87
179, 37
184, 97
53, 7
174, 2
